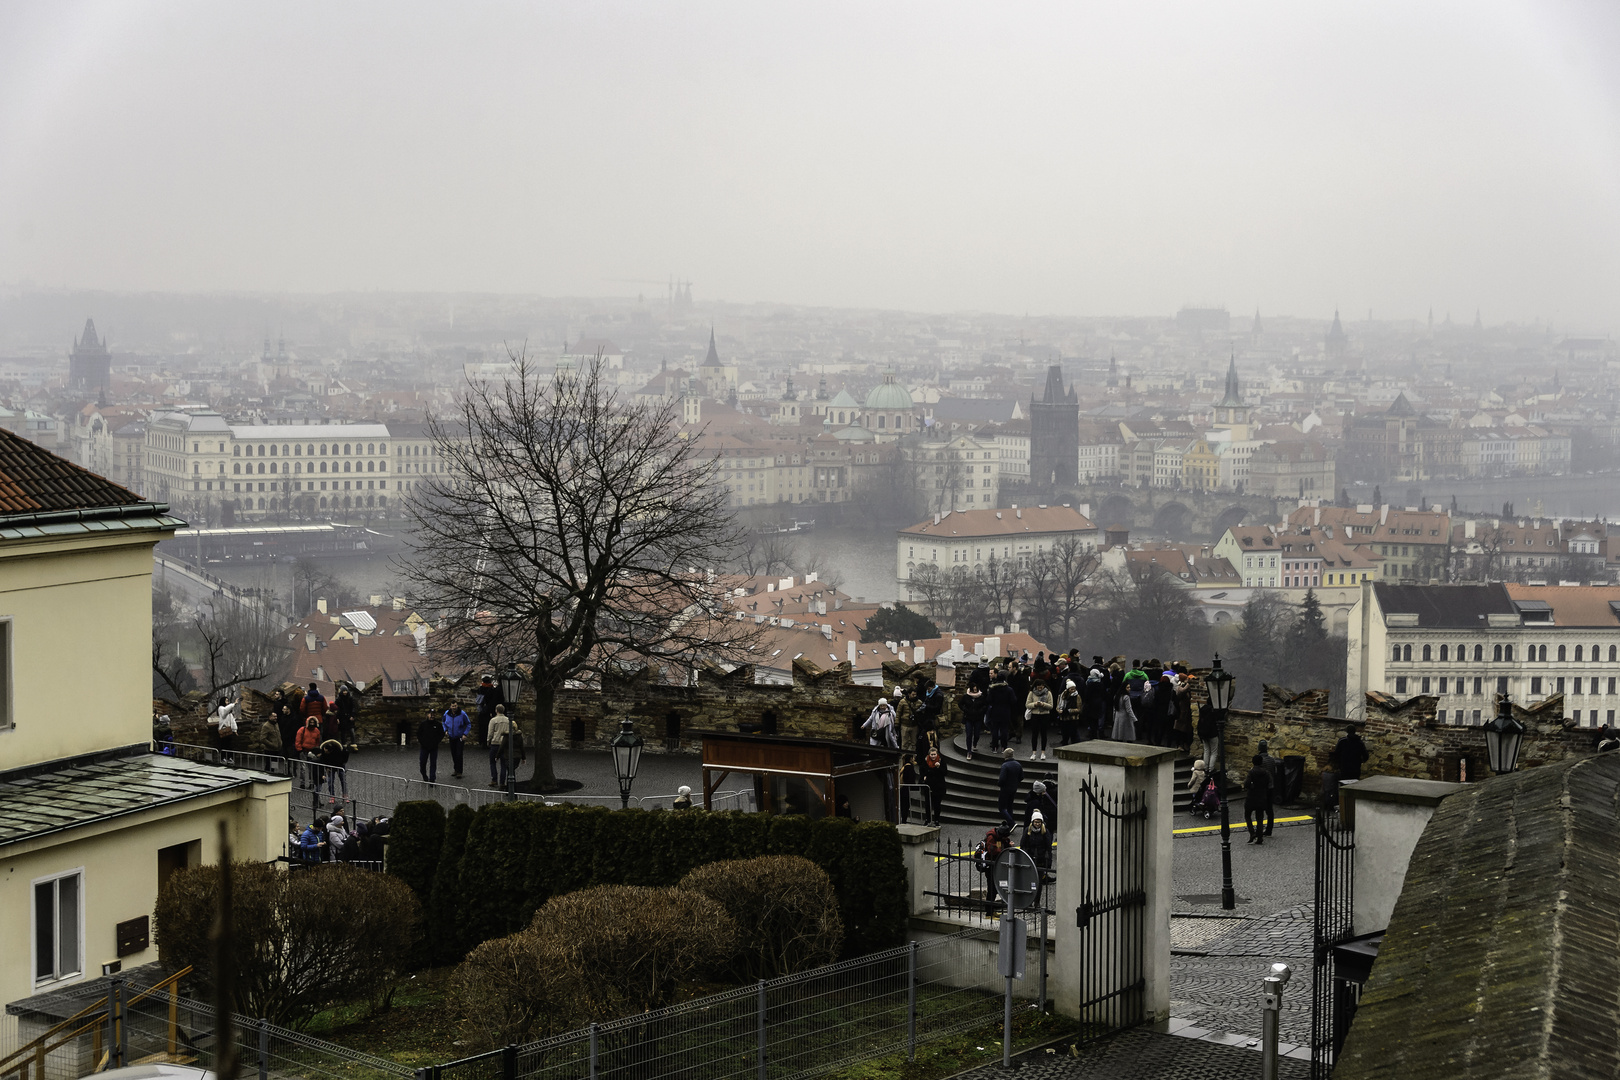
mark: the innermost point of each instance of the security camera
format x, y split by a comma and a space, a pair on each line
1282, 973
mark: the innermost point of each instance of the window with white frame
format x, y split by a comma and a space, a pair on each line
59, 927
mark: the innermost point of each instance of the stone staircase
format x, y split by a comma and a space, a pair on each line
971, 788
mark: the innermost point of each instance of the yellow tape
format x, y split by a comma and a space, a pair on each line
1237, 826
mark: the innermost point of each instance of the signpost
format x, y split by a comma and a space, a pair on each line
1017, 881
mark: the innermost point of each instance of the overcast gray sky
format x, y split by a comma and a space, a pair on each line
1066, 158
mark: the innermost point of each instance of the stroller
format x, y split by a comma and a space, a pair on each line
1208, 802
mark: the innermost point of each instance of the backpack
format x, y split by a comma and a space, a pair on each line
988, 851
1211, 797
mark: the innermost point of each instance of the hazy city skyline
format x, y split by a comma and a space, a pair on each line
1044, 160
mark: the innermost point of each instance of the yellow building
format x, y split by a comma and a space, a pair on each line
1201, 466
90, 819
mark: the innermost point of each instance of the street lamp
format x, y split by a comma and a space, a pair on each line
511, 689
1503, 736
1220, 681
626, 759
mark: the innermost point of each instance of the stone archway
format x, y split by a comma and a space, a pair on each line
1173, 520
1115, 510
1230, 517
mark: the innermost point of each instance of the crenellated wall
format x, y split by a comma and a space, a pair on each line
1402, 737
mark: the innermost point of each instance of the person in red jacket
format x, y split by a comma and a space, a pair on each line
314, 704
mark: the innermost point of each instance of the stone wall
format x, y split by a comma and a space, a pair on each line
822, 703
1402, 737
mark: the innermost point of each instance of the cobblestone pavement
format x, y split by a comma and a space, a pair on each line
1218, 963
1146, 1055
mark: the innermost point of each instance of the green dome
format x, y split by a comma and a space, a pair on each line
889, 396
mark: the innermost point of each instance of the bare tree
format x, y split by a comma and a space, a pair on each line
1001, 583
233, 644
312, 581
568, 532
827, 572
1063, 585
765, 554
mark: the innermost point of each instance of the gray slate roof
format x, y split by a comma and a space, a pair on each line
37, 804
1503, 955
1460, 606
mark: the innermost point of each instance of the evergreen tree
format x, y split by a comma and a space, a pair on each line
898, 623
1310, 627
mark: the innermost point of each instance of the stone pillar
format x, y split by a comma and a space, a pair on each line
1389, 814
917, 841
1115, 768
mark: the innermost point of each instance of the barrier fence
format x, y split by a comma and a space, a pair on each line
318, 789
112, 1023
787, 1028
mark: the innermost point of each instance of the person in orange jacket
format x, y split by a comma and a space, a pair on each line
307, 744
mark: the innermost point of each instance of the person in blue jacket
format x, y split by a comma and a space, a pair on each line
312, 843
457, 726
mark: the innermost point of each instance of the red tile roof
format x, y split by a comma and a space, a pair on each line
32, 480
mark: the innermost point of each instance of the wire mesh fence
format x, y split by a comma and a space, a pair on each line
108, 1025
788, 1028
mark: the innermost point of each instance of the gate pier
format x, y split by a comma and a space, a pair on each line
1111, 965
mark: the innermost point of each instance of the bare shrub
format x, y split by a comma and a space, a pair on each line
305, 940
625, 949
784, 907
511, 991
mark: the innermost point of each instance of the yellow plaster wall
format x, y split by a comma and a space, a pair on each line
81, 616
120, 864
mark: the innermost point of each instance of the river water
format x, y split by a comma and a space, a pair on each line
864, 558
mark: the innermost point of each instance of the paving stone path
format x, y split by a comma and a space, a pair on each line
1146, 1055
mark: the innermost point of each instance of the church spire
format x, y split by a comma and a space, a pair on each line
1234, 397
713, 359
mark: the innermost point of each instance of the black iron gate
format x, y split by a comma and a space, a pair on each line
1335, 894
1112, 868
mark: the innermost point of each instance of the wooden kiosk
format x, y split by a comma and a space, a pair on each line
804, 776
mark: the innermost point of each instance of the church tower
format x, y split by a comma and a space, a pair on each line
1054, 433
90, 364
1338, 342
1231, 414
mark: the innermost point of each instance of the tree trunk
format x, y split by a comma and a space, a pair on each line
545, 699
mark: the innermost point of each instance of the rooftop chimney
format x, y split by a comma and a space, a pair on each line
320, 605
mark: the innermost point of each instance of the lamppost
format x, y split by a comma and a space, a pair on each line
1220, 683
626, 759
1503, 737
511, 689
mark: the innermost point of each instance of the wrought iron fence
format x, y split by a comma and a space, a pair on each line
1334, 925
1112, 916
788, 1028
109, 1024
961, 884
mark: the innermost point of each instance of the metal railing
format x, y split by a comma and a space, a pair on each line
117, 1025
787, 1028
319, 789
961, 887
1333, 924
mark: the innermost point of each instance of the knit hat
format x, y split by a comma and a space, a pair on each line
683, 790
1039, 788
1037, 816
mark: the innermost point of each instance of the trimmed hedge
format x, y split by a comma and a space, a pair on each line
501, 864
446, 936
415, 838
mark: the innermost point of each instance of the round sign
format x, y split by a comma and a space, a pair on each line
1016, 877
